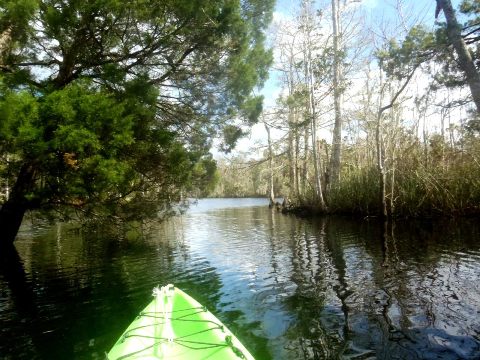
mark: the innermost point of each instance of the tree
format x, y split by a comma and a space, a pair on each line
334, 169
452, 45
286, 42
307, 26
108, 106
271, 191
465, 60
379, 140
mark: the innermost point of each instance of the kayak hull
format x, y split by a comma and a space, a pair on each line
175, 326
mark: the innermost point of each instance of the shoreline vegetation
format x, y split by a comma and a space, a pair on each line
387, 130
109, 111
425, 180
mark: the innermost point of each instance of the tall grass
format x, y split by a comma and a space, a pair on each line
357, 193
435, 185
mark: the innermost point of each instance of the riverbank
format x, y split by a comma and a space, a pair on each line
414, 191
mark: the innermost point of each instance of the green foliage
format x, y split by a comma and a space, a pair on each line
473, 125
240, 177
206, 177
15, 15
90, 154
418, 47
348, 199
252, 108
470, 7
231, 134
421, 46
444, 183
115, 104
19, 119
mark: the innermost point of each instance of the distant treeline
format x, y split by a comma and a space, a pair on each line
424, 178
240, 177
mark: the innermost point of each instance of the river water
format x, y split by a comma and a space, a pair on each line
290, 288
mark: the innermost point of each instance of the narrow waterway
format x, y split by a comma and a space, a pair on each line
289, 288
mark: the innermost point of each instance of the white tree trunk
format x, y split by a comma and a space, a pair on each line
334, 170
271, 195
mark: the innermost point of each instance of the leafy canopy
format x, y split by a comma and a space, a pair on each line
115, 103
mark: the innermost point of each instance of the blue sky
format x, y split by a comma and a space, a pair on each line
375, 11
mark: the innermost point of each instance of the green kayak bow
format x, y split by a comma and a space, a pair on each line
176, 326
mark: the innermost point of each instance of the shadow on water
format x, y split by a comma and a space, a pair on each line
319, 270
383, 290
424, 297
289, 288
67, 294
16, 287
52, 308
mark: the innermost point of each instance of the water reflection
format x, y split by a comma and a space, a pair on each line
290, 288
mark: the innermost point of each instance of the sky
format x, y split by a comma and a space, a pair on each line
377, 13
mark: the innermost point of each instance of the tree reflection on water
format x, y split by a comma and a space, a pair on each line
288, 287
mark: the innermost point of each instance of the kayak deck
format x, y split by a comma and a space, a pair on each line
176, 326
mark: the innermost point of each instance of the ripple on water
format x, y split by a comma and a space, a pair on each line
290, 288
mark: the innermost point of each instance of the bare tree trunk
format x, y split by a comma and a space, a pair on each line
305, 160
311, 110
393, 145
465, 61
381, 163
291, 156
392, 180
292, 137
379, 143
442, 120
425, 140
271, 194
334, 170
367, 99
297, 164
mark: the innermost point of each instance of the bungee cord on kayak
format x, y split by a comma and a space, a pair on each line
174, 325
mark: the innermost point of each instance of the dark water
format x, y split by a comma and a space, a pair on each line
290, 288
